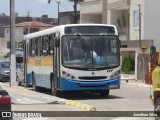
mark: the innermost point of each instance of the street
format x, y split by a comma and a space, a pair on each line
131, 97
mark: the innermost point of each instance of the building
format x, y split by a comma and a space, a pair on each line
125, 15
67, 17
22, 29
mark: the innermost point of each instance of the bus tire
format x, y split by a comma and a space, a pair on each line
35, 88
157, 108
104, 92
54, 90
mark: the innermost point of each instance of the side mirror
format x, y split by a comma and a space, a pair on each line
57, 42
153, 53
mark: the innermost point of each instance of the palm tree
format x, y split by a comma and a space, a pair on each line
76, 2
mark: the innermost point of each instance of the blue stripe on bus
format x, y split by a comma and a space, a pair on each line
42, 80
29, 79
82, 85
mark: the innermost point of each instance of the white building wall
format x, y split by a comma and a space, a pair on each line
18, 34
91, 18
152, 21
91, 7
134, 29
2, 43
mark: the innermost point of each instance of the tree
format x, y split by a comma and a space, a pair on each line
76, 2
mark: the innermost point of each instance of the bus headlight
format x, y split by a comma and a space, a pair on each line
115, 75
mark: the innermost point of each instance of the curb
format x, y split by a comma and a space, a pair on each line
138, 84
80, 105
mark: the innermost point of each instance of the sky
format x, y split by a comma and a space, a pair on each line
37, 8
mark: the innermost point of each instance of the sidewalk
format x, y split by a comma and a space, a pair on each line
22, 95
26, 96
131, 80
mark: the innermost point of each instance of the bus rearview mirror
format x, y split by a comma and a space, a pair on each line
57, 42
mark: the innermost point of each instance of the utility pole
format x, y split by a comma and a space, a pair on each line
28, 12
12, 44
139, 25
58, 2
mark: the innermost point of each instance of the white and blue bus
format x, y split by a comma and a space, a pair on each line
76, 57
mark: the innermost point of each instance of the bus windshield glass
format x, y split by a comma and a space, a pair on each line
90, 51
89, 30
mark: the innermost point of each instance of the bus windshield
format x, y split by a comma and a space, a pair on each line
90, 51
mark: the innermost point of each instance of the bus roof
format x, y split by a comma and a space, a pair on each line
60, 29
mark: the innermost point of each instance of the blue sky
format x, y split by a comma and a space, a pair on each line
37, 8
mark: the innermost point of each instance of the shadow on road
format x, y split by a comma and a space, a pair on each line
78, 95
83, 95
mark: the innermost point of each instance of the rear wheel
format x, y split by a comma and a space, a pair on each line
35, 88
104, 92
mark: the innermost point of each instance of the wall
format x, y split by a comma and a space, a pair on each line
91, 18
2, 43
134, 29
152, 21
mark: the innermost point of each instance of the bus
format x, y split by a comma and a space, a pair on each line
74, 57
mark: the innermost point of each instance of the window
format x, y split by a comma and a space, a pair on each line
7, 30
33, 47
39, 46
51, 45
45, 45
8, 44
136, 17
25, 31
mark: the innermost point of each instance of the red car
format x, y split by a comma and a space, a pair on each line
5, 104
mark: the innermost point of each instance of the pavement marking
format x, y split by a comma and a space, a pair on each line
80, 105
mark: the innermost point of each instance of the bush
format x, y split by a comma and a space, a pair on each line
127, 65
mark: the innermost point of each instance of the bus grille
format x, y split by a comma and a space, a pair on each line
92, 86
93, 78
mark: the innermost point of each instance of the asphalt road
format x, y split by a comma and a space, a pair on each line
131, 97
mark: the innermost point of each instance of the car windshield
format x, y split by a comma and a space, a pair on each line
90, 51
5, 65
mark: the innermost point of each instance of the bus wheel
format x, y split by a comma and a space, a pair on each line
157, 108
34, 83
55, 92
104, 92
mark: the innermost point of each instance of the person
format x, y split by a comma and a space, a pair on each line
77, 51
99, 60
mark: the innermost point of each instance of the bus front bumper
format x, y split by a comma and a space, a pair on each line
67, 84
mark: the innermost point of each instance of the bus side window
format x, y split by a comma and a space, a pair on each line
30, 48
33, 47
39, 46
51, 45
45, 46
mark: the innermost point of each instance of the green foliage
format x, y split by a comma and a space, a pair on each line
21, 45
127, 65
